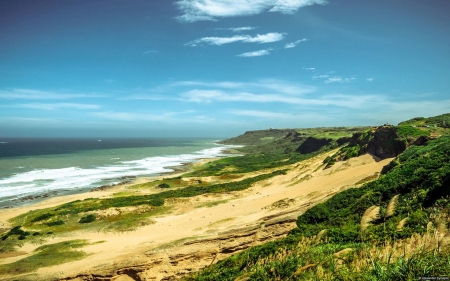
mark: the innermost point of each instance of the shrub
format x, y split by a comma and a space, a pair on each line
58, 222
87, 219
164, 185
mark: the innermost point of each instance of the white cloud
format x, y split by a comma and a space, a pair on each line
255, 53
56, 106
369, 79
198, 10
260, 38
309, 68
294, 44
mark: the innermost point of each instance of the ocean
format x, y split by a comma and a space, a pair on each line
32, 169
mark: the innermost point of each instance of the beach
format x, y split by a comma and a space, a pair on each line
167, 246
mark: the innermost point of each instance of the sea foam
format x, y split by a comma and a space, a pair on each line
48, 180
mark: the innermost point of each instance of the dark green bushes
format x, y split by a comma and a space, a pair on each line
87, 219
16, 231
42, 217
54, 223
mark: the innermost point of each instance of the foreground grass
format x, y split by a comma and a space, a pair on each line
314, 259
47, 255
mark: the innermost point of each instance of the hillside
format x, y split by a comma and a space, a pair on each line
442, 121
393, 228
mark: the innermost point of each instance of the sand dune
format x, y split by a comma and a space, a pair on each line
151, 249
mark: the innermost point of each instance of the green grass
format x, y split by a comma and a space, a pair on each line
47, 255
410, 131
211, 204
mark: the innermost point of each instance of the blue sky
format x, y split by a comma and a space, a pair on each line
217, 68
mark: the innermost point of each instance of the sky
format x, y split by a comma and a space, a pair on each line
218, 68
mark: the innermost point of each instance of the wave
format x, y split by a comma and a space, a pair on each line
71, 178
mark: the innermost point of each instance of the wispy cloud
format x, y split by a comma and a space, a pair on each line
238, 29
339, 79
263, 85
260, 38
164, 117
332, 78
57, 106
369, 79
261, 114
340, 100
32, 94
256, 53
198, 10
294, 44
150, 52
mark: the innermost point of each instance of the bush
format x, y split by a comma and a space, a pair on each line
58, 222
87, 219
164, 185
42, 217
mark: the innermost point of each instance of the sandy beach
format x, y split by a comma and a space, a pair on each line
154, 248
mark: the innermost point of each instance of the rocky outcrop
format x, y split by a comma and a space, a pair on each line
383, 142
312, 144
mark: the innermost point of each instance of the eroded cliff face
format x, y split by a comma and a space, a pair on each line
383, 142
191, 256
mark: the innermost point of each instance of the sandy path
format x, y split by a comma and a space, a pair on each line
304, 183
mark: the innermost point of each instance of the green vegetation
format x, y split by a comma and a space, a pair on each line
410, 131
211, 204
393, 228
87, 219
248, 163
46, 255
438, 121
164, 185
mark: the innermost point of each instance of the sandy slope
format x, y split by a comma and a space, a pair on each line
305, 184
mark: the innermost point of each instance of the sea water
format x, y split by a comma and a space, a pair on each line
36, 168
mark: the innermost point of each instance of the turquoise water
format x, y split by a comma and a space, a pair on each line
35, 167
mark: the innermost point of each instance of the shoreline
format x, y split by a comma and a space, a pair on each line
7, 213
38, 199
40, 181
